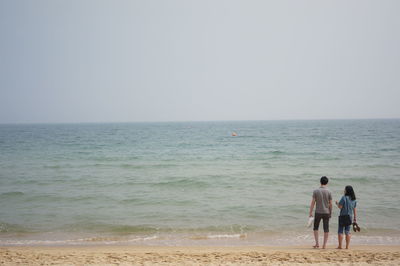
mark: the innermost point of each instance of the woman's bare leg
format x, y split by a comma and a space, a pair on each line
340, 238
348, 237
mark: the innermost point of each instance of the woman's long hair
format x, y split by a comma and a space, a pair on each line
349, 191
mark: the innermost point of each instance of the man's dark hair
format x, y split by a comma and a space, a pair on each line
324, 180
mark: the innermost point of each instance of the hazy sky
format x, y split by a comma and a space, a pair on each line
100, 61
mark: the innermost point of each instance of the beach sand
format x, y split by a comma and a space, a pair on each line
148, 255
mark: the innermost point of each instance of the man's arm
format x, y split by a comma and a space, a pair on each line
312, 207
330, 208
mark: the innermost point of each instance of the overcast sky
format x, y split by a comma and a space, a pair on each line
117, 61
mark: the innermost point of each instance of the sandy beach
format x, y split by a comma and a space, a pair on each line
145, 255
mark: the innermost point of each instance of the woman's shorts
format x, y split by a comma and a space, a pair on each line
345, 228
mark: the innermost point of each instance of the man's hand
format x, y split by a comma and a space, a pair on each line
312, 207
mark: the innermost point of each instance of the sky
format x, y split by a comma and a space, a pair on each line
125, 61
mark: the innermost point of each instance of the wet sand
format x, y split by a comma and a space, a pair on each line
148, 255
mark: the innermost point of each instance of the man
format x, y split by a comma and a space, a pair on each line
322, 198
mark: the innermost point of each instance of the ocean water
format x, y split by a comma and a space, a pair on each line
193, 183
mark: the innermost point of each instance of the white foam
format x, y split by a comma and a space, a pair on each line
142, 239
226, 236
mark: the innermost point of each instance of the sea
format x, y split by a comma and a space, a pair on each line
224, 183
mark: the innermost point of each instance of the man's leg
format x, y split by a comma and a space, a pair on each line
317, 220
325, 220
326, 235
316, 238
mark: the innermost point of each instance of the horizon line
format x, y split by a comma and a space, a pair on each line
195, 121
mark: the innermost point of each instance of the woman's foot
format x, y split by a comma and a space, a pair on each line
316, 246
339, 248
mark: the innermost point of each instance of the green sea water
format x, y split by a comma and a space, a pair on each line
186, 183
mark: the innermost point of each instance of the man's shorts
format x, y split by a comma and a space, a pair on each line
325, 221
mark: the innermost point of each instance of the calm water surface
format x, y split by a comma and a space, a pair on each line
192, 182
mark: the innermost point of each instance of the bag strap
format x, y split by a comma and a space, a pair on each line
347, 203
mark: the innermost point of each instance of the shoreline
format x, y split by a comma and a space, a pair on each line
198, 255
192, 239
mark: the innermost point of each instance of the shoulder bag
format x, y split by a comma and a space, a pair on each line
345, 220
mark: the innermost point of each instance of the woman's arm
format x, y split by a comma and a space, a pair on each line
338, 205
355, 214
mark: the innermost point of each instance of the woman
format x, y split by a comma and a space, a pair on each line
347, 206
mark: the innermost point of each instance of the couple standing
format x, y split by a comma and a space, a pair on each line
322, 198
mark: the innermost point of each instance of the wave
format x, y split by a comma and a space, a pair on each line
13, 228
390, 149
158, 202
11, 194
28, 182
113, 159
77, 241
133, 200
56, 166
329, 159
107, 228
131, 166
277, 152
182, 183
384, 166
267, 152
110, 234
45, 198
220, 236
114, 165
370, 179
151, 230
119, 230
281, 239
150, 166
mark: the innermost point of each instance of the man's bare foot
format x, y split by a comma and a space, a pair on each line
323, 247
339, 248
316, 246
